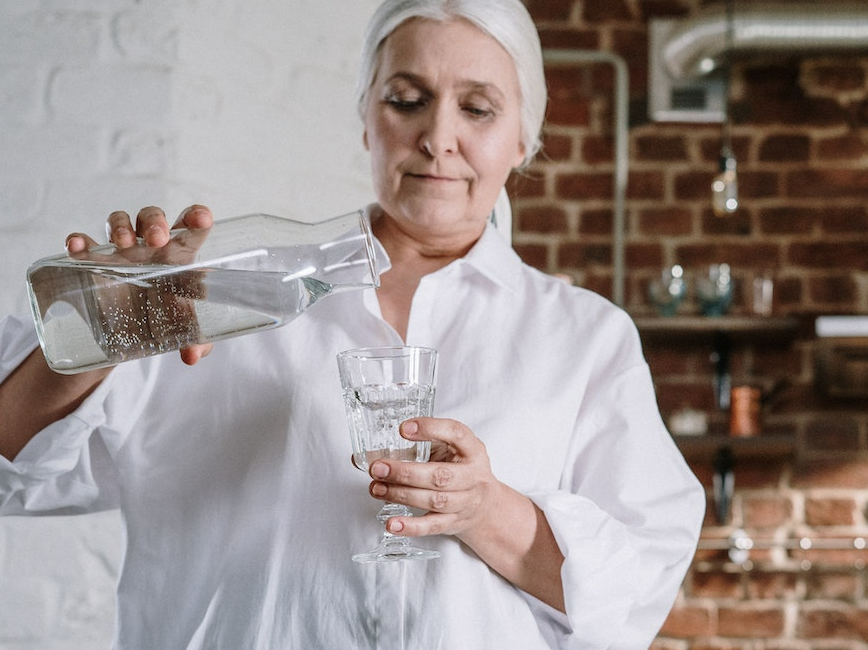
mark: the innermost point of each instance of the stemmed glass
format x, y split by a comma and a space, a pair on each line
382, 387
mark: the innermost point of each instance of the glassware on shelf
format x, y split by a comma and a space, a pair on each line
714, 291
668, 291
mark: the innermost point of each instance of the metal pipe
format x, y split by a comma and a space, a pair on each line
697, 45
621, 114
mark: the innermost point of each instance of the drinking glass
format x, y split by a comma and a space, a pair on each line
715, 290
382, 387
667, 292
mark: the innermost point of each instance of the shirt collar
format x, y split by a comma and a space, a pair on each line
491, 256
494, 258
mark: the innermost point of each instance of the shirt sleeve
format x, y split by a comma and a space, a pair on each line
65, 468
627, 520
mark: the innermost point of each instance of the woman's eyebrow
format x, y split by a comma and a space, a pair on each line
466, 85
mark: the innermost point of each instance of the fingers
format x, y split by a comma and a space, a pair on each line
453, 487
193, 354
151, 225
119, 230
196, 216
78, 242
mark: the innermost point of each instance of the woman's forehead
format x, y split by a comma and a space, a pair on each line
427, 48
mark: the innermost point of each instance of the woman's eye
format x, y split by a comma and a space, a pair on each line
479, 112
405, 104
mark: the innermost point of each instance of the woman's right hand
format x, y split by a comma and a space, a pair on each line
153, 227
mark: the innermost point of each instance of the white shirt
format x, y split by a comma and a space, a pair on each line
241, 507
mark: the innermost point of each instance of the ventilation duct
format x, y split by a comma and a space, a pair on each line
686, 52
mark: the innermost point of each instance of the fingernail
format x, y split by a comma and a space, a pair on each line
410, 428
379, 490
396, 526
119, 233
380, 470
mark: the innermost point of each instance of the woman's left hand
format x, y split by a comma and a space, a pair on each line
456, 486
463, 498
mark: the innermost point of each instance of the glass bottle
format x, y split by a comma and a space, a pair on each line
242, 275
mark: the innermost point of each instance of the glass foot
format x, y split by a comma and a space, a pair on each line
393, 548
395, 554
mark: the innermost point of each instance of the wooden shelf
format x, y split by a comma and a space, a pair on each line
704, 447
704, 329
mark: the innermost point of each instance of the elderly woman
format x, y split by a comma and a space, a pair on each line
564, 515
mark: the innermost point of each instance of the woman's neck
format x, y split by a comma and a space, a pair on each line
412, 258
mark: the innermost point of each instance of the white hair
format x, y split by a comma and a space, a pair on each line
506, 21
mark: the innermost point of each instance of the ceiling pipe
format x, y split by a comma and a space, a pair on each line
697, 45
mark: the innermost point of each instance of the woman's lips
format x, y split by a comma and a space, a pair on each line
433, 178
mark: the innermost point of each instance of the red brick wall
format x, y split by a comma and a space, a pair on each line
801, 140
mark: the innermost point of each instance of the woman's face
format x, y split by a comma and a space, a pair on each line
443, 126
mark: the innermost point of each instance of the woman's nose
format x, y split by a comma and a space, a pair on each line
440, 133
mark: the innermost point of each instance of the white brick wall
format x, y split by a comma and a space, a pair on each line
118, 104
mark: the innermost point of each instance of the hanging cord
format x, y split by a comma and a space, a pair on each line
729, 39
724, 188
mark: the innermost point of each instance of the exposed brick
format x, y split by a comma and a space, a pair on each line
599, 12
751, 621
568, 37
644, 256
759, 473
835, 586
569, 104
694, 185
830, 512
717, 585
773, 95
664, 221
785, 148
667, 361
542, 219
845, 220
844, 76
780, 362
660, 147
596, 222
689, 621
832, 289
767, 512
767, 585
788, 291
789, 220
828, 255
758, 184
577, 254
527, 184
850, 146
591, 185
735, 254
543, 10
597, 149
738, 223
646, 185
838, 473
828, 183
833, 433
556, 147
598, 282
661, 9
536, 255
671, 397
834, 623
709, 148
